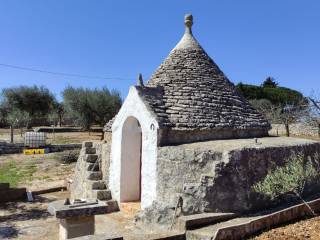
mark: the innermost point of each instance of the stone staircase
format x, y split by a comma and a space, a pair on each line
88, 181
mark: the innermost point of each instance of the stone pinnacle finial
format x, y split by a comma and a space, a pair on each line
140, 80
188, 21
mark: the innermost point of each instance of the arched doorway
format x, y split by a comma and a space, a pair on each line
130, 178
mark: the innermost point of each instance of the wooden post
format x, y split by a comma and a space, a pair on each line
11, 134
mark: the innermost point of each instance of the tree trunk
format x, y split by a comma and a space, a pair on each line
319, 130
102, 136
287, 129
11, 134
60, 120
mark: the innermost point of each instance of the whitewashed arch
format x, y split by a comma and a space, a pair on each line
134, 108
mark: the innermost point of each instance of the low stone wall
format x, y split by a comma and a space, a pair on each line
296, 129
11, 148
267, 221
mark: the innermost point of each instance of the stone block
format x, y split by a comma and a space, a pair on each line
91, 158
92, 175
76, 227
87, 144
101, 194
99, 185
59, 210
90, 150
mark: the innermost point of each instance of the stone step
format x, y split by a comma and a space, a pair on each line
112, 205
102, 195
91, 151
92, 158
97, 185
94, 175
87, 144
203, 219
92, 167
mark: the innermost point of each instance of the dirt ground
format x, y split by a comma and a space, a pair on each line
36, 172
31, 221
305, 229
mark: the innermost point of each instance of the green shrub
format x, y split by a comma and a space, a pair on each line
291, 178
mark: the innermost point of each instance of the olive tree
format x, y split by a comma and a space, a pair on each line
91, 106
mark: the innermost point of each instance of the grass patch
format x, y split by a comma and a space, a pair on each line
13, 174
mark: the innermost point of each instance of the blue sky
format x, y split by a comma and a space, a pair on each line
118, 39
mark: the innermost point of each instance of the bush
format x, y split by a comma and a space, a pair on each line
291, 178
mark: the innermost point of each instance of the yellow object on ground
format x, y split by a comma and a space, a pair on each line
34, 151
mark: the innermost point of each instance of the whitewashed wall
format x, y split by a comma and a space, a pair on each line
133, 106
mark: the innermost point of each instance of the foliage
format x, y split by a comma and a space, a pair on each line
278, 104
276, 95
270, 82
91, 106
18, 118
3, 114
291, 178
11, 173
22, 105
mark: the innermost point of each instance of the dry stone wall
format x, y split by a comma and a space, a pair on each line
216, 178
297, 129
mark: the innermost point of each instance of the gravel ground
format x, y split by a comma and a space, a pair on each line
305, 229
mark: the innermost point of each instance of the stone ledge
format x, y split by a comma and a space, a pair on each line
59, 210
202, 219
98, 237
242, 227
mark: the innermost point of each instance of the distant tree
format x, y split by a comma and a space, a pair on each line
290, 113
34, 101
270, 82
278, 104
58, 113
91, 106
3, 114
18, 119
277, 96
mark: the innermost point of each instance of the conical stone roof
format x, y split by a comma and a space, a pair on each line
189, 92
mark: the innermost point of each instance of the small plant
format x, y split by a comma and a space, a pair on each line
289, 179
